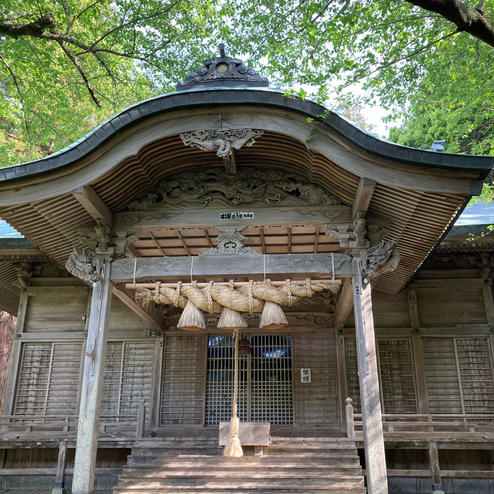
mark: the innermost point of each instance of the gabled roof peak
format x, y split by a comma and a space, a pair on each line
223, 71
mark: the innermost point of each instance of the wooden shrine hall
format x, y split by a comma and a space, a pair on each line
230, 257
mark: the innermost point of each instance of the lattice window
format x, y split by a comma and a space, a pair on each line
476, 375
128, 377
459, 375
396, 376
265, 380
48, 379
183, 385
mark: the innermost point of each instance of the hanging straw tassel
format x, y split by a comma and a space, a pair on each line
233, 446
192, 319
231, 319
272, 317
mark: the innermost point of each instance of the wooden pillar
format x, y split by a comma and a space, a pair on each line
15, 355
92, 380
59, 479
375, 459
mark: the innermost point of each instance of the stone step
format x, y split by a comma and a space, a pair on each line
254, 473
229, 490
260, 462
178, 450
239, 483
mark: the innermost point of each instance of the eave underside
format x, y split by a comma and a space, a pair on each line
417, 218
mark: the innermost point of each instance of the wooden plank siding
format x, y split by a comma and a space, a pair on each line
48, 379
58, 309
316, 403
128, 377
396, 375
184, 381
458, 373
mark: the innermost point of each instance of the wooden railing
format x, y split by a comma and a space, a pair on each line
132, 426
426, 427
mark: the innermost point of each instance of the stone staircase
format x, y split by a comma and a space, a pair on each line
292, 465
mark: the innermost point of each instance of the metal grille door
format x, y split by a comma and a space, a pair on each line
265, 380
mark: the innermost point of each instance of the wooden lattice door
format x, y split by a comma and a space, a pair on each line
265, 380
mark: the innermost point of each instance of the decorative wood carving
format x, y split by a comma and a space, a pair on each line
231, 243
379, 259
86, 265
221, 141
251, 186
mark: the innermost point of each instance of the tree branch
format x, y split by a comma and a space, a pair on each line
82, 73
466, 18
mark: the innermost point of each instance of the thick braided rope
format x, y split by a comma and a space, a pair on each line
157, 292
236, 334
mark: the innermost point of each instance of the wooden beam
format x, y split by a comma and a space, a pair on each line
92, 384
370, 398
316, 238
135, 307
363, 196
263, 240
93, 204
59, 476
157, 244
289, 239
180, 236
208, 267
345, 305
209, 217
208, 237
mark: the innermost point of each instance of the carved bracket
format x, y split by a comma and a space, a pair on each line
379, 259
86, 265
221, 141
231, 243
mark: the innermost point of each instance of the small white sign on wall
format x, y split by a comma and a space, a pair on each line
305, 376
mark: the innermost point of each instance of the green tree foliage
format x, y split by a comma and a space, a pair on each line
454, 102
66, 65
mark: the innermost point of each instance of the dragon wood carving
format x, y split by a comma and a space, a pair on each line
251, 186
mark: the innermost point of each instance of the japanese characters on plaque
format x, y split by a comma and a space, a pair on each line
236, 215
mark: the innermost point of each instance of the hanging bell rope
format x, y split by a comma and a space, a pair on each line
233, 446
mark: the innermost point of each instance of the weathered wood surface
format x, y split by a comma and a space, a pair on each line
93, 204
369, 384
250, 433
316, 403
209, 217
183, 385
163, 268
92, 384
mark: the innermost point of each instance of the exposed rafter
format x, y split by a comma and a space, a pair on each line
363, 196
93, 204
132, 305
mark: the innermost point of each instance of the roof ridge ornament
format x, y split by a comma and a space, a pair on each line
223, 71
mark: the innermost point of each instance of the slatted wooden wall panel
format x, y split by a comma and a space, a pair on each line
475, 368
316, 403
441, 375
184, 380
458, 305
45, 312
48, 379
128, 377
353, 385
459, 375
123, 319
396, 375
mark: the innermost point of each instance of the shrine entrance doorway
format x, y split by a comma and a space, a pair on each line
265, 379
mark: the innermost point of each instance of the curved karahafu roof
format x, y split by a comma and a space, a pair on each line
420, 192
